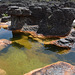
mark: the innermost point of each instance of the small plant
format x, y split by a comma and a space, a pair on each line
4, 15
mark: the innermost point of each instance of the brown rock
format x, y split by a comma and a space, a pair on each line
4, 43
59, 68
2, 72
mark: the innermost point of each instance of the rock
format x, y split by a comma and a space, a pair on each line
50, 21
73, 46
8, 23
63, 43
69, 4
67, 42
73, 24
59, 68
30, 28
2, 72
73, 34
4, 43
56, 21
3, 8
5, 19
70, 39
19, 11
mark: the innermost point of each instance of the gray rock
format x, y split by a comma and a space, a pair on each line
73, 34
6, 18
73, 46
19, 11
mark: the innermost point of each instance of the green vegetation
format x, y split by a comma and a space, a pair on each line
4, 15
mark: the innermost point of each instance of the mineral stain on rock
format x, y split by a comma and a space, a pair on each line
59, 68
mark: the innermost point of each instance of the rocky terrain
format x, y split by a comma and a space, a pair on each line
50, 19
42, 19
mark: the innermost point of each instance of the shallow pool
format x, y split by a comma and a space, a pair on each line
25, 54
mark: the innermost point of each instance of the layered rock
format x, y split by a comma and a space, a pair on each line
59, 68
67, 42
5, 19
49, 19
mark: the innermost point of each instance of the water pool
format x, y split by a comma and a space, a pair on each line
25, 54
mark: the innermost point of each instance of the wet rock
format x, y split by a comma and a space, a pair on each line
70, 39
63, 43
67, 42
59, 68
4, 43
5, 19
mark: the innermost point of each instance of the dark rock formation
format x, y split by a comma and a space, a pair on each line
50, 16
68, 42
59, 68
3, 8
59, 23
6, 18
50, 21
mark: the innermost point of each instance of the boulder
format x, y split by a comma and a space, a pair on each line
59, 68
59, 23
50, 17
73, 34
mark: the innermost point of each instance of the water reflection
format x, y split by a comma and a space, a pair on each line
25, 54
56, 49
5, 34
21, 40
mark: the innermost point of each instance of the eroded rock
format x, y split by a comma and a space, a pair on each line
59, 68
5, 19
50, 19
67, 42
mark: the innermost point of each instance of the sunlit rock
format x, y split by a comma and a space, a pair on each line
2, 72
4, 43
59, 68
